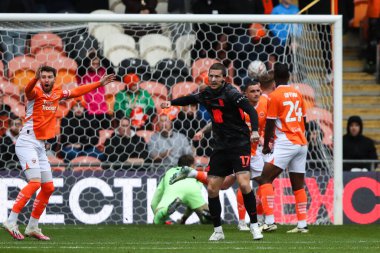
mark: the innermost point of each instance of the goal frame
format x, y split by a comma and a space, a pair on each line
337, 46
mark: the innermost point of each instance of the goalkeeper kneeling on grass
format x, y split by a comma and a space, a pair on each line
188, 192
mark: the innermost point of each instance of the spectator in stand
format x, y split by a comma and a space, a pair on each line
281, 30
318, 154
356, 146
373, 13
166, 146
95, 100
135, 104
79, 134
15, 125
188, 122
125, 146
142, 7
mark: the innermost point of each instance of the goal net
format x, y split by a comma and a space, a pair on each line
104, 158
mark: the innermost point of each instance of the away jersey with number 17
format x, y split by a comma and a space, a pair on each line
286, 106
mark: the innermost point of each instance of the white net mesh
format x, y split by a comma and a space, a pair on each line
169, 60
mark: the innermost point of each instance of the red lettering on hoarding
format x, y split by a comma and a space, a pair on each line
316, 200
349, 190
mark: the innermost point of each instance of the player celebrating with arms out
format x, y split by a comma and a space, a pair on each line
41, 108
285, 117
231, 154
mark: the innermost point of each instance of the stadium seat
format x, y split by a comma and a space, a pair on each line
307, 92
183, 89
171, 71
201, 65
137, 66
56, 164
89, 164
114, 87
104, 134
66, 70
146, 134
155, 47
48, 56
183, 46
9, 89
325, 120
117, 6
101, 30
21, 70
155, 89
104, 31
17, 107
45, 42
119, 47
69, 86
319, 115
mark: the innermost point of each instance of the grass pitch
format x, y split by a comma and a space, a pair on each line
194, 238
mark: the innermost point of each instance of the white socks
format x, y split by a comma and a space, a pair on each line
13, 218
33, 223
218, 229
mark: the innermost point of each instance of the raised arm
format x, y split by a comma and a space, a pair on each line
81, 90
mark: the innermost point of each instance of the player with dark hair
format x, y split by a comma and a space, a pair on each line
231, 154
40, 121
286, 117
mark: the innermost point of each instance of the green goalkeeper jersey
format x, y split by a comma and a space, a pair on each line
188, 190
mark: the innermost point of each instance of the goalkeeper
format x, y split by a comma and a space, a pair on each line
188, 192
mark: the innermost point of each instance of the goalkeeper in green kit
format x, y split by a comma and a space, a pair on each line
188, 192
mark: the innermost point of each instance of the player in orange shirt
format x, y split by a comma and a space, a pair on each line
285, 118
39, 126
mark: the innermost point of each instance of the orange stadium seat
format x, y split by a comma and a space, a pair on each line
146, 134
66, 70
183, 88
92, 164
9, 89
48, 56
201, 65
319, 115
45, 42
21, 70
307, 92
104, 134
155, 89
57, 163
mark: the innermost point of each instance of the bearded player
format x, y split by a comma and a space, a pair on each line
43, 97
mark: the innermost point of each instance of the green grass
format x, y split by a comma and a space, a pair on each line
194, 238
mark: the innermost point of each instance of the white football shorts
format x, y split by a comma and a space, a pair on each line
32, 156
290, 156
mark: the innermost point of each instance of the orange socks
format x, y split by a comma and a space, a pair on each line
42, 199
267, 198
240, 204
24, 195
202, 177
301, 204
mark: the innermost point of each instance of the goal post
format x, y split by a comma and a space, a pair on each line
311, 43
